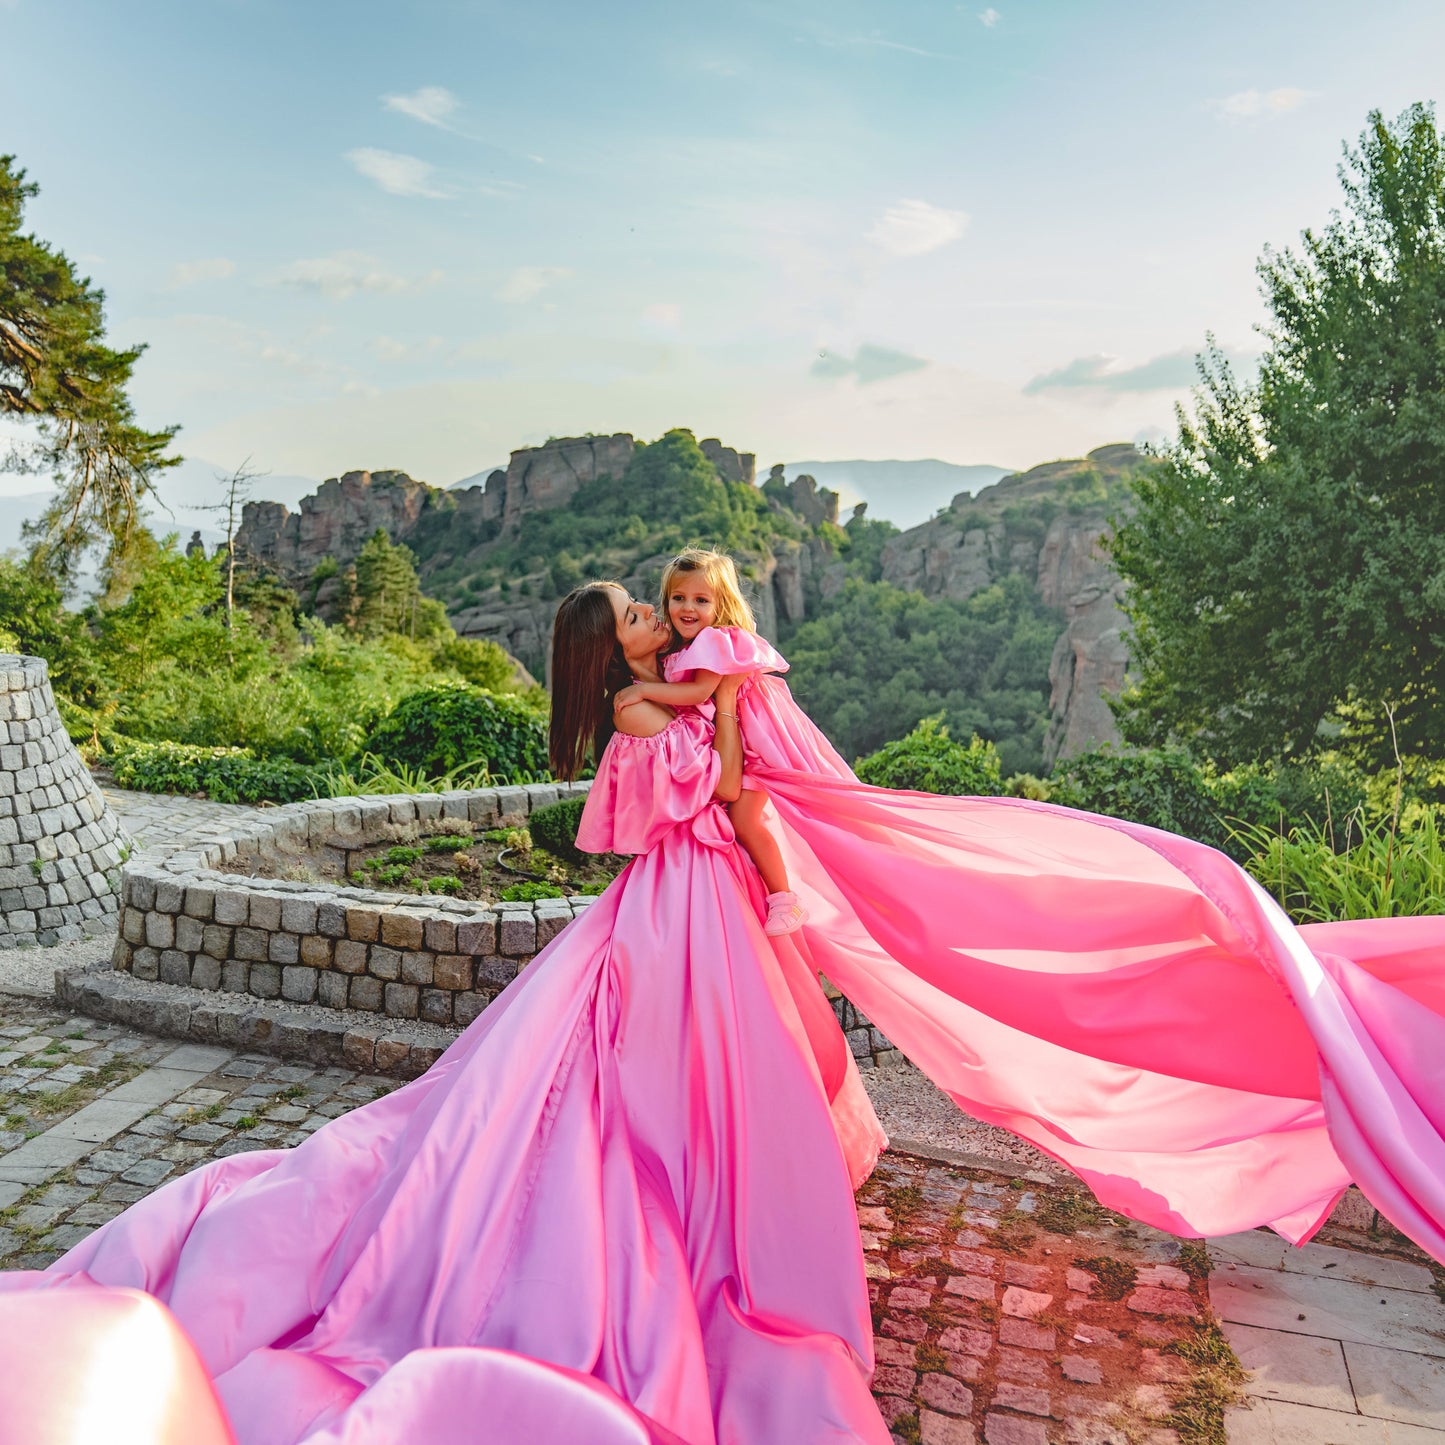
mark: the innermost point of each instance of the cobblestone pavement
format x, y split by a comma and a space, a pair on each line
987, 1327
167, 821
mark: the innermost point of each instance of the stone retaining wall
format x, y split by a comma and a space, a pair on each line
60, 845
335, 974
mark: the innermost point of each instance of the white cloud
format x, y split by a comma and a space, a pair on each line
1246, 104
432, 105
990, 18
191, 273
398, 175
528, 281
344, 274
913, 228
872, 363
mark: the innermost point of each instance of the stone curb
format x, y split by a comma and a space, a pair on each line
315, 1035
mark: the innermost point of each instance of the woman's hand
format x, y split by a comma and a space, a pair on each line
728, 740
726, 696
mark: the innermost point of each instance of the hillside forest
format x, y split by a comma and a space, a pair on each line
1277, 572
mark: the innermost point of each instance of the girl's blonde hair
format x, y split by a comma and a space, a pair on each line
718, 572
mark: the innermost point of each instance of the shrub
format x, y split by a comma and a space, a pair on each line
555, 827
1384, 868
929, 761
530, 892
226, 775
441, 729
1163, 788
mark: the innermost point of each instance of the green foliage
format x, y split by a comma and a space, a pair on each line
880, 660
1286, 557
530, 892
56, 370
380, 595
225, 775
554, 827
1162, 787
442, 728
1359, 868
929, 761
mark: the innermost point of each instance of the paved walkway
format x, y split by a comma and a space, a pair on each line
1009, 1309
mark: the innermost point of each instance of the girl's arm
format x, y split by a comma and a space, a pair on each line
670, 694
727, 740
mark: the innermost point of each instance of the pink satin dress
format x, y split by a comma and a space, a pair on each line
777, 733
619, 1208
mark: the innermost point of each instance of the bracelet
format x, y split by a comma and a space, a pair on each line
719, 713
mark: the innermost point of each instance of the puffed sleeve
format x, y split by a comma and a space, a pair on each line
646, 787
727, 651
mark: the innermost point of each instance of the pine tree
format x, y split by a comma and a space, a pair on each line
56, 370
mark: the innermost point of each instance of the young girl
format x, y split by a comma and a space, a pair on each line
716, 635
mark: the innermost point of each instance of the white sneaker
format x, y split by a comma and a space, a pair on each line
785, 914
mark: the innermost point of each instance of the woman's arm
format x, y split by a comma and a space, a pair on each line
672, 694
727, 740
642, 719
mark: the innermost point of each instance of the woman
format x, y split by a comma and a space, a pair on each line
616, 1210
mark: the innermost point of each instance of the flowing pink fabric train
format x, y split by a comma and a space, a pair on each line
616, 1210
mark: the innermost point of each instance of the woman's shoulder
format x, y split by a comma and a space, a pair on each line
642, 720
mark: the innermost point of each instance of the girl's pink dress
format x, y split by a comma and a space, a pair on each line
777, 733
619, 1209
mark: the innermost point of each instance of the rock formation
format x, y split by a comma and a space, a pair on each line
1047, 524
60, 845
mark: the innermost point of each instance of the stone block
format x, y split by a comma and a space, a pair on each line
441, 935
937, 1429
235, 976
402, 930
200, 901
477, 936
453, 970
1156, 1301
943, 1392
1011, 1430
418, 968
298, 915
206, 973
231, 906
146, 964
517, 935
216, 940
349, 957
133, 926
403, 1000
160, 930
252, 944
358, 1050
285, 948
265, 911
175, 967
422, 1057
331, 988
363, 924
496, 971
316, 951
140, 888
391, 1051
549, 925
383, 963
468, 1006
170, 895
190, 934
436, 1006
121, 955
331, 919
1027, 1336
298, 983
265, 979
365, 993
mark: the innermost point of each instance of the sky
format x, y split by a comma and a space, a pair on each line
356, 234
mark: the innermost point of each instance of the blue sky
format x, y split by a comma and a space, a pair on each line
371, 234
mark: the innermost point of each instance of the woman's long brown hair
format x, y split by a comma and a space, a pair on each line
587, 669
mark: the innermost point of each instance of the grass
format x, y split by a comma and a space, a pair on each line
905, 1427
1116, 1277
930, 1359
1215, 1383
902, 1199
1194, 1259
247, 1121
1068, 1211
72, 1096
1014, 1234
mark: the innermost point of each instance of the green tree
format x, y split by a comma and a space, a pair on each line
386, 596
929, 761
56, 370
1285, 560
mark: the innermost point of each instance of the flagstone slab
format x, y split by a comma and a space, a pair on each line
1280, 1422
1266, 1250
1398, 1385
1297, 1368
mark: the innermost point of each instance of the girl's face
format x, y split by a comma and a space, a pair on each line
640, 631
691, 605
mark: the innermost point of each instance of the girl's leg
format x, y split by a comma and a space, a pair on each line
754, 835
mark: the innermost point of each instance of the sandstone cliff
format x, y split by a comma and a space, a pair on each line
1046, 524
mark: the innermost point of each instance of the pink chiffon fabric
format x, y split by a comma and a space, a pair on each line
777, 733
616, 1210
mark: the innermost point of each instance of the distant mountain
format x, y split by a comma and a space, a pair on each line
904, 493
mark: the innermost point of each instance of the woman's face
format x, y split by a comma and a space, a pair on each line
640, 631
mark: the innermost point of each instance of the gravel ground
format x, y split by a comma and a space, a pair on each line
912, 1110
31, 971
